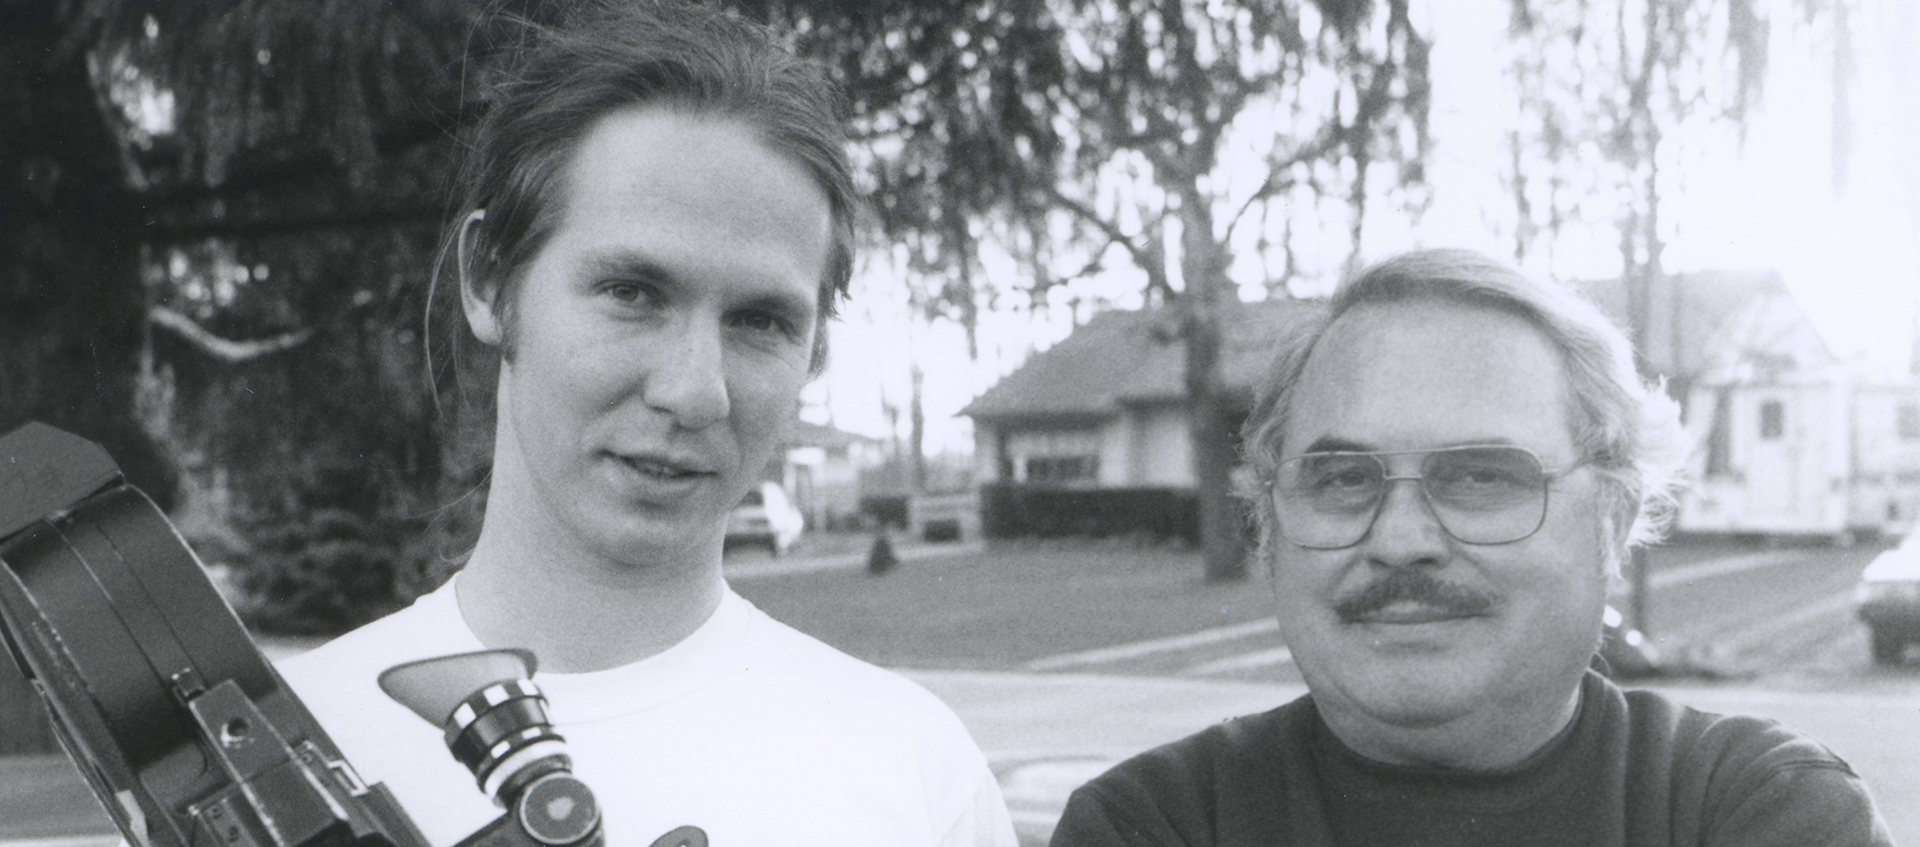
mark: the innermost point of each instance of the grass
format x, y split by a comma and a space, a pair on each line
1022, 600
1013, 603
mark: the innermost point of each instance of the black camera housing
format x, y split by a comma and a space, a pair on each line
183, 730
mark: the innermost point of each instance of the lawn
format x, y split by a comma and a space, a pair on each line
1015, 602
1022, 600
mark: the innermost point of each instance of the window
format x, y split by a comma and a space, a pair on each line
1063, 469
1772, 420
1907, 421
1055, 457
1719, 450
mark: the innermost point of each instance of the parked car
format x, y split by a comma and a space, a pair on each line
765, 516
1888, 599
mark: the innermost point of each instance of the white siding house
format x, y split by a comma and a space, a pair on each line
1788, 440
1105, 408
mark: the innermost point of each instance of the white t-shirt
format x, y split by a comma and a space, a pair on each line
748, 729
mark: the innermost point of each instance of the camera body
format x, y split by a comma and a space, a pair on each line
182, 729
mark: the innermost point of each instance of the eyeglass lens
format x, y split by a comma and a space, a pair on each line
1481, 495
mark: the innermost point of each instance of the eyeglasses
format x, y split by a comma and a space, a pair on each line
1480, 494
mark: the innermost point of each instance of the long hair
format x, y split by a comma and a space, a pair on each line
560, 79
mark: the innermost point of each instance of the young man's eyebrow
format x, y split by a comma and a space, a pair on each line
628, 264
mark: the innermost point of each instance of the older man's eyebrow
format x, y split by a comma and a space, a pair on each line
1328, 444
1331, 444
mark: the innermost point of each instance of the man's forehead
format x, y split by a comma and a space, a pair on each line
1430, 334
1426, 373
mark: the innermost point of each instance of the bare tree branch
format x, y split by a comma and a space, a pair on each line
224, 349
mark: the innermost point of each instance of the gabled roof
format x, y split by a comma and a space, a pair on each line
1724, 320
1122, 358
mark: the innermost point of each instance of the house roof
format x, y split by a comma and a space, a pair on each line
1724, 320
1122, 358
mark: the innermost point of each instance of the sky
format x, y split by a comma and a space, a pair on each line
1765, 201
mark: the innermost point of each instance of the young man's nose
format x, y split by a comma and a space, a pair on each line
689, 380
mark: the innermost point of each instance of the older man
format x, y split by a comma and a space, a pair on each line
1450, 464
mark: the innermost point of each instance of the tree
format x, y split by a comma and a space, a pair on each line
1611, 94
1157, 91
1015, 122
950, 144
244, 272
70, 316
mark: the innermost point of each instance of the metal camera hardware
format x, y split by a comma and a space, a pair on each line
180, 726
501, 733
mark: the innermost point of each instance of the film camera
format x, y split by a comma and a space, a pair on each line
184, 731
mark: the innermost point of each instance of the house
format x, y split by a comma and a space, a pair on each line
1090, 436
1788, 440
1106, 407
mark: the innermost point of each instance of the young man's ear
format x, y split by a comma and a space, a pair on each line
477, 295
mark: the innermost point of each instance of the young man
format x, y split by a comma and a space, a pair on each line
1451, 463
659, 220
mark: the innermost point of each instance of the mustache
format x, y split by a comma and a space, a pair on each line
1414, 585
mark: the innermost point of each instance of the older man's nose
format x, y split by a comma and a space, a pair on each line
1405, 530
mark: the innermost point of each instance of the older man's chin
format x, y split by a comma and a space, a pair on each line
1430, 686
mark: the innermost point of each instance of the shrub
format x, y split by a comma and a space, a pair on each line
1010, 510
326, 574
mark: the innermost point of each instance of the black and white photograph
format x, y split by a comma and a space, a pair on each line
893, 423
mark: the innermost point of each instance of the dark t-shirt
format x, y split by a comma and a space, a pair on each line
1633, 769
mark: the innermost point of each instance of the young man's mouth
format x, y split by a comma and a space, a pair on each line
664, 469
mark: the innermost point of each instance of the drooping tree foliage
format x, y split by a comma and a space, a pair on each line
1611, 92
1607, 90
261, 196
1322, 95
244, 271
70, 325
1015, 122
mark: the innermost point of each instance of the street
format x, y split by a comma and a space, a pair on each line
1774, 616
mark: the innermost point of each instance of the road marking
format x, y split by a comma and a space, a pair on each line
1148, 647
1244, 661
1280, 655
1742, 640
1721, 567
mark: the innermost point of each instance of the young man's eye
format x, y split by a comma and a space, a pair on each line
624, 290
763, 322
630, 292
